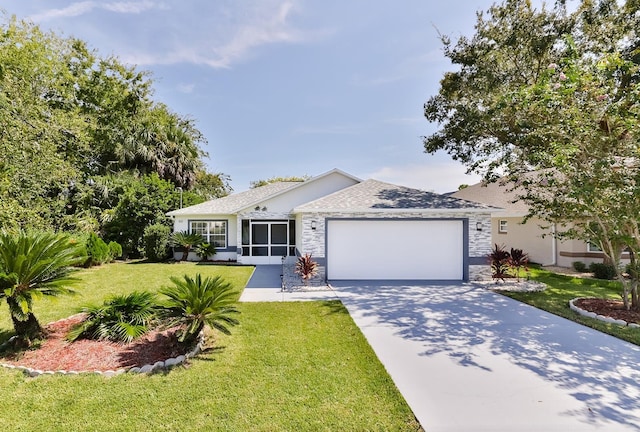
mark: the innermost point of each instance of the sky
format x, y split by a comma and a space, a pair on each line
287, 87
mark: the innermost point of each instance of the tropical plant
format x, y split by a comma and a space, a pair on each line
33, 265
97, 250
499, 261
306, 268
195, 302
156, 242
205, 250
518, 260
121, 318
185, 240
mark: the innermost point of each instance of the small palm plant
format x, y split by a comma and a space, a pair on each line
306, 268
205, 250
195, 302
121, 318
33, 265
186, 241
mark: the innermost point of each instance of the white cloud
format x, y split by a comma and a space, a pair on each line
81, 8
439, 177
186, 88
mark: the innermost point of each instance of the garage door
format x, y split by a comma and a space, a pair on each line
395, 249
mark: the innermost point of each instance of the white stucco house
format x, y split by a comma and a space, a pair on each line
355, 229
535, 237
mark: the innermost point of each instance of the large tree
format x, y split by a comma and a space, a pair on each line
550, 99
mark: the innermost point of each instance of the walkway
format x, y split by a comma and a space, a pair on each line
265, 286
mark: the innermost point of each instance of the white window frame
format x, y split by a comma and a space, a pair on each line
503, 226
212, 231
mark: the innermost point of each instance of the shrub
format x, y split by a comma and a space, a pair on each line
115, 250
499, 261
121, 318
205, 250
192, 303
306, 268
97, 251
156, 242
579, 266
185, 240
518, 260
603, 271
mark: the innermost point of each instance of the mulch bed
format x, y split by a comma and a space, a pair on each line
608, 307
55, 353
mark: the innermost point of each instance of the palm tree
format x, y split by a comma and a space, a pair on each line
186, 241
194, 303
32, 265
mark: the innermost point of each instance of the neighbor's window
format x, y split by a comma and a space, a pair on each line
592, 247
502, 226
212, 232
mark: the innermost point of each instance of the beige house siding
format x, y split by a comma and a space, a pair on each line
528, 237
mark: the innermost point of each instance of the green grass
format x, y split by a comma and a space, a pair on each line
561, 289
287, 367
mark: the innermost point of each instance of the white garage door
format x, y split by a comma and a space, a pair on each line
395, 249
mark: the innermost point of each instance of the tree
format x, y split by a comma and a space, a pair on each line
32, 265
186, 241
196, 302
257, 183
550, 99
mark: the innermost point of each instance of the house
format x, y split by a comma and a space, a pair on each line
355, 229
535, 237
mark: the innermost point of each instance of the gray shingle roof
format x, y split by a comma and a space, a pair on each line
371, 195
234, 203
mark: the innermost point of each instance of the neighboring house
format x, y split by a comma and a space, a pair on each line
356, 230
535, 237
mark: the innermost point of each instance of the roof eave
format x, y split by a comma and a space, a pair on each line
395, 210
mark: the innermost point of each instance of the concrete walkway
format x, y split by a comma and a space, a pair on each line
467, 359
265, 286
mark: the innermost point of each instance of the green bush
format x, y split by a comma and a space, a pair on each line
156, 242
603, 271
97, 251
579, 266
205, 250
115, 249
121, 318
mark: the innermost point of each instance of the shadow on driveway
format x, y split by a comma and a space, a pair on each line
595, 374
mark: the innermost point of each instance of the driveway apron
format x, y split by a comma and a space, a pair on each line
467, 359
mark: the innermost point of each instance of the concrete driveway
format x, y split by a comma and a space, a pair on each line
467, 359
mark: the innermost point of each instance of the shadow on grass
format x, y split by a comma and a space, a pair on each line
334, 307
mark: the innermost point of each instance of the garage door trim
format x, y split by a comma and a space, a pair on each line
465, 237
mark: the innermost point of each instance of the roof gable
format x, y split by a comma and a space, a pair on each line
496, 194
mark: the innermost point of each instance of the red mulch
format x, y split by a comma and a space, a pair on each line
607, 307
55, 353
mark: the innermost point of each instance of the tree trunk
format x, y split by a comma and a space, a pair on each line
25, 330
185, 253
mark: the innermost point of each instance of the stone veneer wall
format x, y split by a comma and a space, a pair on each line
313, 241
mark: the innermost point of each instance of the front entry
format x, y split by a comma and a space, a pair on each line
267, 241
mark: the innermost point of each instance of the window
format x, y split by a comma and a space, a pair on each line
502, 226
592, 247
212, 232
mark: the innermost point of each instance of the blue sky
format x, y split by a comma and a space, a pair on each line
287, 87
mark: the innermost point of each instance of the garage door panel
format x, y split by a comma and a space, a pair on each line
395, 249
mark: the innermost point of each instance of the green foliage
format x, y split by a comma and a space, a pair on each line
121, 318
603, 271
115, 250
205, 250
97, 251
306, 267
579, 266
156, 242
257, 183
185, 240
33, 265
196, 302
517, 261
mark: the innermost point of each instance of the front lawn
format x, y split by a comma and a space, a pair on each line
562, 288
287, 366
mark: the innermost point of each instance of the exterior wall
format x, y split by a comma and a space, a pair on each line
181, 223
308, 192
313, 241
570, 251
527, 237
